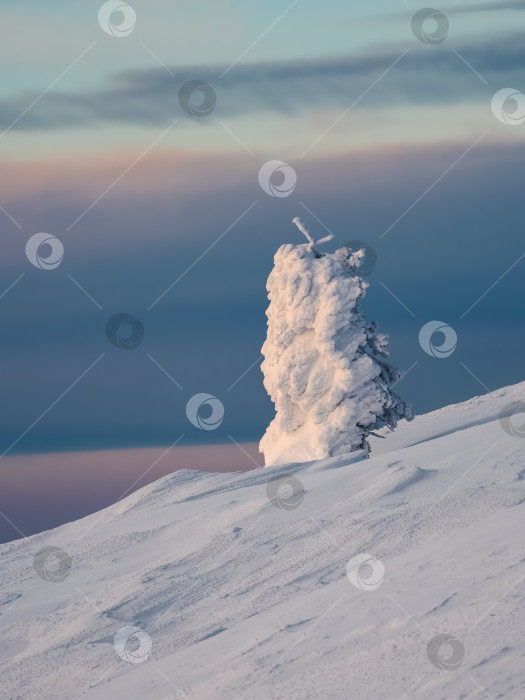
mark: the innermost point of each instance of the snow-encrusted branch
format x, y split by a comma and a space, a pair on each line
303, 228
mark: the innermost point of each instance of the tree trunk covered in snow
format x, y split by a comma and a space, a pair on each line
322, 359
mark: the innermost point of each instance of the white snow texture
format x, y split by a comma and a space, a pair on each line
234, 595
321, 358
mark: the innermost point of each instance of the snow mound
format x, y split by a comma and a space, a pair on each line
245, 585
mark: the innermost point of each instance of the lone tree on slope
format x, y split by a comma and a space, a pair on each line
323, 366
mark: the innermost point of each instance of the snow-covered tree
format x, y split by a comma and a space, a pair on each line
322, 359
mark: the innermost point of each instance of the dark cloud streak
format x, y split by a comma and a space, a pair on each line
516, 5
149, 97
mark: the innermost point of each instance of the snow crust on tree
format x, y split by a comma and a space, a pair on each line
323, 366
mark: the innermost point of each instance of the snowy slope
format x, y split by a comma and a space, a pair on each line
244, 599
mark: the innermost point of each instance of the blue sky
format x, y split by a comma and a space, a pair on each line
421, 146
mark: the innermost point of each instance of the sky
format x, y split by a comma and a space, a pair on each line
390, 126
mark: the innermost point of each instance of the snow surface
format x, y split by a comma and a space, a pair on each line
244, 599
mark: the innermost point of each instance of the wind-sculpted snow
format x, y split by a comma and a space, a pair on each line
322, 366
237, 585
